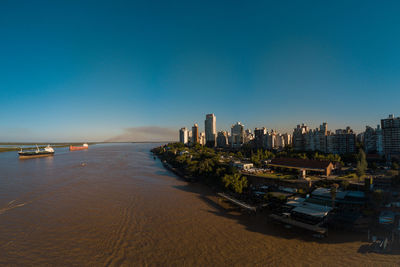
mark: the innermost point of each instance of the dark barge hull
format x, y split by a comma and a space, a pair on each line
33, 154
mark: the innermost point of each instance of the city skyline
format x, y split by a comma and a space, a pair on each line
124, 71
290, 130
380, 141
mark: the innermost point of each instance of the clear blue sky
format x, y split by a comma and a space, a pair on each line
93, 70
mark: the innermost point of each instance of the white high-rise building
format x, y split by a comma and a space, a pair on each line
202, 139
248, 136
183, 136
210, 129
271, 140
288, 139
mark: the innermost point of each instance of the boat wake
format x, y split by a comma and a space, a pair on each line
12, 205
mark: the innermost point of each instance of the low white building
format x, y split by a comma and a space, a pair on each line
242, 165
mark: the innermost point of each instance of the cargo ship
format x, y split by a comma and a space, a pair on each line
84, 146
47, 151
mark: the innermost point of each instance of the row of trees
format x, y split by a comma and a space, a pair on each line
259, 155
204, 163
362, 164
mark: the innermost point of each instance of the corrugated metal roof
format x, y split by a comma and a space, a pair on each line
300, 163
311, 212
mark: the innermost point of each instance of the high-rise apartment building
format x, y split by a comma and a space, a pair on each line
195, 134
345, 141
202, 139
288, 139
320, 139
271, 140
237, 134
222, 139
373, 140
299, 139
184, 136
210, 130
248, 136
259, 137
391, 136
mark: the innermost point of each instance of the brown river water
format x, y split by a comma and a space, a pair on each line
115, 205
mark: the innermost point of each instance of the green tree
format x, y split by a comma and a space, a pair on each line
395, 166
362, 164
193, 167
333, 192
345, 184
303, 156
268, 154
236, 182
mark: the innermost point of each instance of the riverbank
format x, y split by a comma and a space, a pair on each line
300, 204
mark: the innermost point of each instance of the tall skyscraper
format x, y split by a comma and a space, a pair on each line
299, 137
210, 129
345, 141
202, 139
248, 136
288, 139
183, 135
391, 136
195, 134
373, 140
237, 134
259, 136
271, 140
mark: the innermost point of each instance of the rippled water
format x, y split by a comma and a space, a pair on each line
121, 207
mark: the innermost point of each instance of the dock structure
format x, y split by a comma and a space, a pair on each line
288, 220
237, 202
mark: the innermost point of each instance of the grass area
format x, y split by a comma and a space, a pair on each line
314, 178
277, 175
352, 177
348, 176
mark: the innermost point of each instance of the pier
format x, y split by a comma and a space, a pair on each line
237, 202
288, 220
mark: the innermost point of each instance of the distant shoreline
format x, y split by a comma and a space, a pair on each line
90, 143
61, 144
33, 146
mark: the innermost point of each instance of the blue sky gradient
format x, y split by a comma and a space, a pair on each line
91, 70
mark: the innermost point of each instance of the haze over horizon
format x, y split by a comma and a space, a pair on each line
116, 70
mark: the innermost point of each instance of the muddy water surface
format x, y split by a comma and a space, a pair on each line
115, 205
